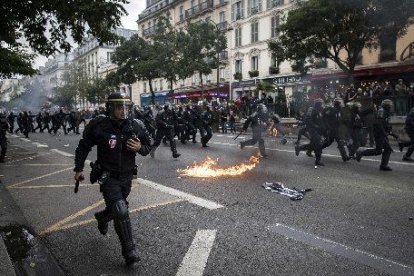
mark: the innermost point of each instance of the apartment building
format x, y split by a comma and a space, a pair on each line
51, 75
392, 60
216, 85
93, 57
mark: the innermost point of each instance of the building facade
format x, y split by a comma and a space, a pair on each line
51, 75
216, 84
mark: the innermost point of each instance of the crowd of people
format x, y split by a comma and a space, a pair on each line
121, 131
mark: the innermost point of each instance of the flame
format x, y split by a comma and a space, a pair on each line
210, 168
273, 132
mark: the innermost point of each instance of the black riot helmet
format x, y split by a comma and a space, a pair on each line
387, 104
338, 103
261, 108
119, 106
318, 104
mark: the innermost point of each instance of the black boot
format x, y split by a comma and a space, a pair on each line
123, 228
384, 161
344, 156
103, 217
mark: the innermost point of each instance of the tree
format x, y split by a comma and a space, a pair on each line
168, 42
97, 90
201, 51
46, 24
138, 59
339, 29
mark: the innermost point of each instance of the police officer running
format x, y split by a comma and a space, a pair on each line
382, 129
409, 128
118, 139
258, 121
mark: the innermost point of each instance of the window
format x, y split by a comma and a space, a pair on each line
255, 32
108, 57
237, 11
181, 13
388, 46
255, 63
161, 85
194, 80
238, 36
274, 62
275, 26
221, 74
222, 16
144, 87
238, 66
255, 6
274, 3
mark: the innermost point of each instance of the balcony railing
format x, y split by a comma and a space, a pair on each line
254, 10
207, 5
238, 15
274, 3
222, 26
149, 31
155, 8
224, 55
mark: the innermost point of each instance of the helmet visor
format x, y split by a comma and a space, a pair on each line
121, 110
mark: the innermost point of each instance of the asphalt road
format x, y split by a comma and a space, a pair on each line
355, 221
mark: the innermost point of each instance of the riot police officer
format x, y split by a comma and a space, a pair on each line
165, 121
382, 129
258, 121
4, 126
315, 128
409, 128
332, 119
118, 139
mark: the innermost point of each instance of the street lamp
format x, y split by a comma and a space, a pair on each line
207, 20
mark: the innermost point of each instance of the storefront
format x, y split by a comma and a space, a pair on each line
194, 95
288, 84
378, 72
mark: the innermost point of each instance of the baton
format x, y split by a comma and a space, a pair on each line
238, 135
77, 184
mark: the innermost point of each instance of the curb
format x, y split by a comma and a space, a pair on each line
6, 267
12, 217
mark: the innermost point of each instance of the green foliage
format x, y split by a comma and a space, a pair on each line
138, 59
326, 28
264, 86
170, 54
97, 90
45, 25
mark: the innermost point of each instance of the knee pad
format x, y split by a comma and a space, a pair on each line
120, 210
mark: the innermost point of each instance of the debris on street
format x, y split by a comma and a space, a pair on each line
278, 187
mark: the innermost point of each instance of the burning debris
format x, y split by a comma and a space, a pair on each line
278, 187
210, 168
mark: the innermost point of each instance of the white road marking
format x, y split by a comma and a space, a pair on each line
359, 256
211, 205
39, 145
195, 260
62, 153
39, 177
325, 154
25, 139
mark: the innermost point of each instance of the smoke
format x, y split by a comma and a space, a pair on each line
33, 96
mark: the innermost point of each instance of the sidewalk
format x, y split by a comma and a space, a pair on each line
21, 251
